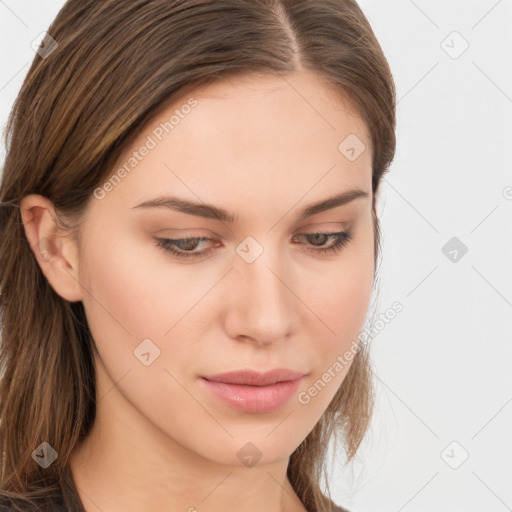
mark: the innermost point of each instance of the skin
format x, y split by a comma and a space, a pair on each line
261, 148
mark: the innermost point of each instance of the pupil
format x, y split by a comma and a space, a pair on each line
321, 236
188, 244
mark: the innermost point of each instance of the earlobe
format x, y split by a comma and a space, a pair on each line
55, 251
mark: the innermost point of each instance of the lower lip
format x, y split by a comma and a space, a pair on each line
254, 399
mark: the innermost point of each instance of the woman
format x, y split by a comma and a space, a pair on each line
188, 250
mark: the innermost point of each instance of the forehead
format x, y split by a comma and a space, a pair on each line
256, 136
257, 100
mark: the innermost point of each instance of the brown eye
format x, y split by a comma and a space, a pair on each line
182, 247
340, 238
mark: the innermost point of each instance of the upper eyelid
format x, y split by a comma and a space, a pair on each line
211, 239
182, 233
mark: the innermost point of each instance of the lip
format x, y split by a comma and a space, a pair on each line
252, 391
255, 378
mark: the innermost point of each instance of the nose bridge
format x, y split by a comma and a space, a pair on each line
262, 307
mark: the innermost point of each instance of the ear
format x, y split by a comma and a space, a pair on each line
55, 250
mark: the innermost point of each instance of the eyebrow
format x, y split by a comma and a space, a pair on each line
212, 212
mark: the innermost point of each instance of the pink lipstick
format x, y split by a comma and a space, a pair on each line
252, 391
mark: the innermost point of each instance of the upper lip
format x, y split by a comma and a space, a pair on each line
255, 378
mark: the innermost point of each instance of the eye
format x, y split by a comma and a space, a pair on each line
341, 239
184, 247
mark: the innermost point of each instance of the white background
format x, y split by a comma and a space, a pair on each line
444, 364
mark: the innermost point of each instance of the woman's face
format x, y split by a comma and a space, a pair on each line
257, 292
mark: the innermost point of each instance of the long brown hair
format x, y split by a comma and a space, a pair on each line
115, 66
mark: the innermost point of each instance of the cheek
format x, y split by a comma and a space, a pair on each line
341, 301
137, 294
351, 297
133, 286
123, 307
340, 295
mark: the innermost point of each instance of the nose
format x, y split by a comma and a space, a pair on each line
261, 304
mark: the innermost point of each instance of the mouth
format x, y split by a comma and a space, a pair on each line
255, 378
253, 392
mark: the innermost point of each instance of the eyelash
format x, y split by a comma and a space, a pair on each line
342, 238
